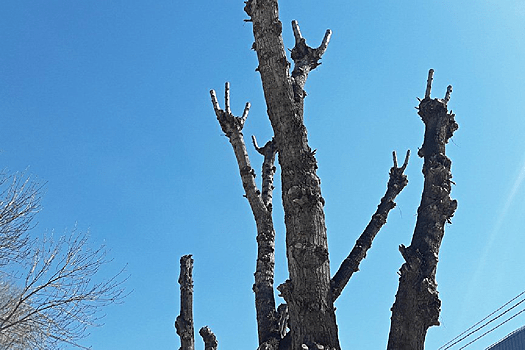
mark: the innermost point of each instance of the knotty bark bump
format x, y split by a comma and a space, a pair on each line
184, 322
396, 183
417, 303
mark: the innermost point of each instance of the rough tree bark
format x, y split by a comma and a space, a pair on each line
307, 292
261, 205
417, 302
184, 322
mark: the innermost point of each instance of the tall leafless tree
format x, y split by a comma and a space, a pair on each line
307, 320
49, 290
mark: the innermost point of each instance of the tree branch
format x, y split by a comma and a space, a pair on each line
210, 340
429, 83
20, 200
261, 206
305, 59
268, 151
447, 95
417, 304
184, 322
396, 183
59, 298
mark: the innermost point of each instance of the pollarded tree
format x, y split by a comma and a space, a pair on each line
307, 320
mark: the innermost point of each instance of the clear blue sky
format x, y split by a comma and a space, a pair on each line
107, 102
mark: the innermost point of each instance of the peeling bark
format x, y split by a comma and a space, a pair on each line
307, 291
396, 183
417, 303
184, 322
261, 206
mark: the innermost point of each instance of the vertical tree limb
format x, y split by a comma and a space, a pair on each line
210, 340
429, 83
307, 291
184, 322
268, 151
417, 303
261, 206
396, 183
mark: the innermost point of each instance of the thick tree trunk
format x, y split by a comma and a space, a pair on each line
307, 291
417, 304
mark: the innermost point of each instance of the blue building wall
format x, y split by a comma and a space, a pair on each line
513, 341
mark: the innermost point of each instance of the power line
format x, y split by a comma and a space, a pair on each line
446, 345
455, 340
487, 332
484, 325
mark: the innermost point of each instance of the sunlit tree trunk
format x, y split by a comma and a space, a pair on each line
307, 291
417, 304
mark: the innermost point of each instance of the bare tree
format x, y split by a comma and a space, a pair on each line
307, 320
49, 293
19, 202
24, 335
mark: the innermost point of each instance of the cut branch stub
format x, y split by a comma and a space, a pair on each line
405, 163
268, 151
210, 340
429, 83
303, 53
227, 98
447, 95
229, 123
305, 58
396, 183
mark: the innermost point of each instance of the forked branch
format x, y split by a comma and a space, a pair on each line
396, 183
261, 206
305, 58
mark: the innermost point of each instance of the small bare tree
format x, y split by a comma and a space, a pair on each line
49, 294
